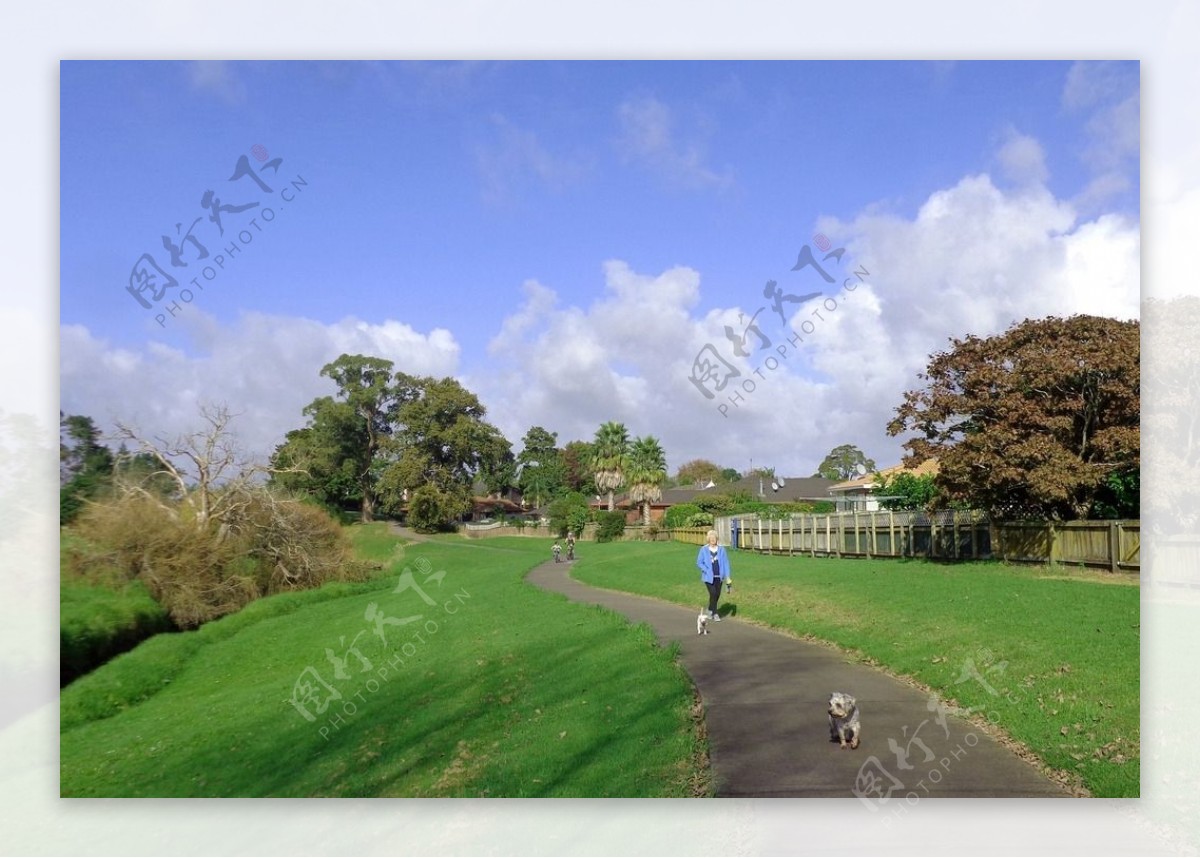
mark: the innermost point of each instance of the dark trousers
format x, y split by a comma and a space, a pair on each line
714, 593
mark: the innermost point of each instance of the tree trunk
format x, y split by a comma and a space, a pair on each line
610, 501
368, 507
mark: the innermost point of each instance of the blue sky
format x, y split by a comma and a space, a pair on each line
565, 237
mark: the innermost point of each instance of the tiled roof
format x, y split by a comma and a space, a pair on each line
929, 466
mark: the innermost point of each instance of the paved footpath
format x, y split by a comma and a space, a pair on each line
765, 696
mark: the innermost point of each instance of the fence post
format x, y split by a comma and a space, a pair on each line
1114, 545
891, 533
813, 545
954, 532
871, 537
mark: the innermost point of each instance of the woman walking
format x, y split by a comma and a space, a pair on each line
714, 568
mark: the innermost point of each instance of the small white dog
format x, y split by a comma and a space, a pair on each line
702, 623
844, 726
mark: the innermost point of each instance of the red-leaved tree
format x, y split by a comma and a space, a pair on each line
1036, 422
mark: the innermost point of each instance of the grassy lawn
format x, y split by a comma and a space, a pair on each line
499, 689
100, 618
1051, 657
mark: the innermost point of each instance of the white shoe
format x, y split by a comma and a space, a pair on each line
716, 617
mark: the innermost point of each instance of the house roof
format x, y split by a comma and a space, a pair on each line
792, 489
868, 481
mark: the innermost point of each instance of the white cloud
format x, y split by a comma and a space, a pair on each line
1108, 93
648, 135
1022, 159
974, 260
1096, 82
266, 368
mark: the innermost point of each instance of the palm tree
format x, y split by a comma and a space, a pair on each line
647, 473
609, 453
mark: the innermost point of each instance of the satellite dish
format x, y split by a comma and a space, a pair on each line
860, 469
774, 486
781, 482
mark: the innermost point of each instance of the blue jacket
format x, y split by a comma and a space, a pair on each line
704, 562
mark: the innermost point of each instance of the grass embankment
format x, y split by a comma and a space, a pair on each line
101, 617
1059, 650
499, 689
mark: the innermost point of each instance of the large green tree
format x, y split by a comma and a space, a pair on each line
441, 442
382, 436
698, 472
542, 474
337, 457
325, 458
906, 490
609, 452
568, 514
845, 462
577, 459
1031, 423
85, 465
647, 471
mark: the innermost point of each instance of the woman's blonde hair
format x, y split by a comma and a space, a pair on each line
710, 535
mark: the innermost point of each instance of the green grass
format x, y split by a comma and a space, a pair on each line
1060, 649
515, 692
376, 543
100, 616
97, 622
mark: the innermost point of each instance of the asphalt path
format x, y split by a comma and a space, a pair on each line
765, 697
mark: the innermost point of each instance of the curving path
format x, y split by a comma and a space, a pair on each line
765, 696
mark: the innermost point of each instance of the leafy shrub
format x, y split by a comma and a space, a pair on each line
1119, 496
431, 510
679, 514
610, 526
720, 504
907, 491
568, 514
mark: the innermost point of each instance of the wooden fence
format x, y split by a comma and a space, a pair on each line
948, 535
1112, 545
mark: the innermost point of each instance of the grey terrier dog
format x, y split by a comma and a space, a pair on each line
844, 726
